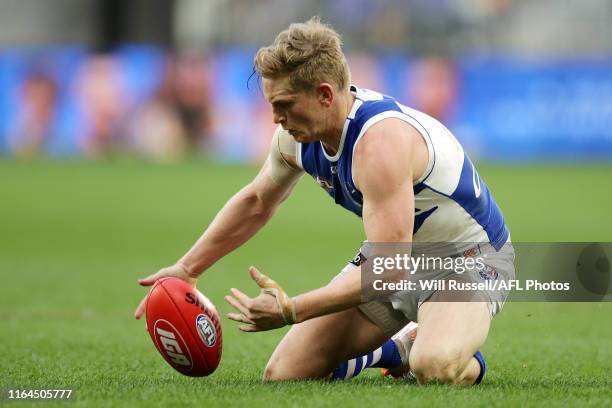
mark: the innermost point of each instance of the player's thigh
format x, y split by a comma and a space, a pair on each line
314, 348
449, 334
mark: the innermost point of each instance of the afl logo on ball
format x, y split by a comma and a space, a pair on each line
206, 330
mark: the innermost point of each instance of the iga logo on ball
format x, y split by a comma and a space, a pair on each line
206, 330
171, 344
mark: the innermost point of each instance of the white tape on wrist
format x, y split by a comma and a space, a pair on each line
286, 304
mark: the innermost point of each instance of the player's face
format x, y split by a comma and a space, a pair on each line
300, 113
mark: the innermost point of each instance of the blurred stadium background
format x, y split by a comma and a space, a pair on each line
516, 80
125, 125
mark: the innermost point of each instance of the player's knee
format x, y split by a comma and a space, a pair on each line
279, 369
436, 366
272, 371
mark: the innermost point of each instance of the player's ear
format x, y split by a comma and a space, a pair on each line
325, 94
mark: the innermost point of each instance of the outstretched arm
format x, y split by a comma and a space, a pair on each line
239, 219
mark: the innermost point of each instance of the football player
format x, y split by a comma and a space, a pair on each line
408, 179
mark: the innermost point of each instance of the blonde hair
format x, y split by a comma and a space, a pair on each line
310, 53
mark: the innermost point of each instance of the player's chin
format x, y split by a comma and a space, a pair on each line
301, 137
296, 136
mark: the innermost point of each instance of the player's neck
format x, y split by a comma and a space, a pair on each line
334, 136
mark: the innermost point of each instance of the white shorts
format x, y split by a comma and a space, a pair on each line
402, 307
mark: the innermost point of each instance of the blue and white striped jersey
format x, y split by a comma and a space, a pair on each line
452, 203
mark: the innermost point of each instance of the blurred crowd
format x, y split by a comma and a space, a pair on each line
514, 79
452, 27
142, 101
101, 107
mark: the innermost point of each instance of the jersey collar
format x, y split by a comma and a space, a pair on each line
356, 105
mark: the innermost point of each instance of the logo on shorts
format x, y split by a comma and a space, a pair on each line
358, 260
488, 273
470, 253
206, 330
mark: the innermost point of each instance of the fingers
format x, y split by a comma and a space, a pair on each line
267, 284
261, 313
241, 297
141, 308
249, 328
240, 318
149, 280
177, 271
263, 281
255, 274
237, 305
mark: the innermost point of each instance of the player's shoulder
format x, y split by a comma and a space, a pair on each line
370, 104
383, 119
382, 160
389, 138
284, 147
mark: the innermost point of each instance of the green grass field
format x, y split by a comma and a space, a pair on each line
75, 236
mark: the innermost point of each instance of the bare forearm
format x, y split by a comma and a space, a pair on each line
241, 217
341, 294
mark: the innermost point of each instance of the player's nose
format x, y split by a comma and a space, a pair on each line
279, 119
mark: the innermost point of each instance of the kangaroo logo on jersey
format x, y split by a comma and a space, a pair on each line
420, 216
325, 184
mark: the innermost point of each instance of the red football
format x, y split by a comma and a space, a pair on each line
184, 326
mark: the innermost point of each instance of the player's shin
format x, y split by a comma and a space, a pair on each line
386, 356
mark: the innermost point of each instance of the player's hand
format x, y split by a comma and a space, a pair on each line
176, 271
270, 310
